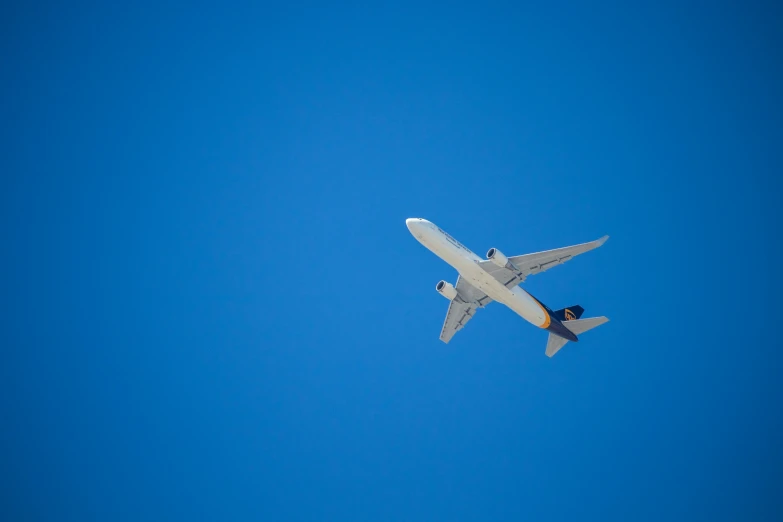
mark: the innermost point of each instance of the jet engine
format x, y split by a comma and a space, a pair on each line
497, 257
447, 290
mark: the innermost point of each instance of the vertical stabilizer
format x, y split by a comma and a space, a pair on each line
569, 314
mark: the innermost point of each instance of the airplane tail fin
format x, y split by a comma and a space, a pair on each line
577, 326
569, 313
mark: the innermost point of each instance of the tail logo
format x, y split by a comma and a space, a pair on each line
569, 315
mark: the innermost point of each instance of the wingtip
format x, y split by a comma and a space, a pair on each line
602, 240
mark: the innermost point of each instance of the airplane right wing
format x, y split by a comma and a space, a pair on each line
462, 308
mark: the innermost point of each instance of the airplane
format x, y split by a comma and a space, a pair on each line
496, 278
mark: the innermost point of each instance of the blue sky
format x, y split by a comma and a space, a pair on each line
213, 309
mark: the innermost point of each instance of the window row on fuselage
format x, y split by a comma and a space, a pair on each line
454, 241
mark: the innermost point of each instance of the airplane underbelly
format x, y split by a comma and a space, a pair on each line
527, 307
515, 298
466, 264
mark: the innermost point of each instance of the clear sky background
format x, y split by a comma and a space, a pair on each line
212, 308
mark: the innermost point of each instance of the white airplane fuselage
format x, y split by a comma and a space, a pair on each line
467, 264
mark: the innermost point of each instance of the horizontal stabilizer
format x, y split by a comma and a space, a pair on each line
554, 343
582, 325
577, 326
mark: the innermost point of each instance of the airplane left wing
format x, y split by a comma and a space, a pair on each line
539, 262
531, 264
462, 308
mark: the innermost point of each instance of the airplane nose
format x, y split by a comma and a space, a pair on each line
410, 223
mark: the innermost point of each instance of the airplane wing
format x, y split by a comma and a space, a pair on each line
462, 308
531, 264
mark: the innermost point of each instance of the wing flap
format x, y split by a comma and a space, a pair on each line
456, 318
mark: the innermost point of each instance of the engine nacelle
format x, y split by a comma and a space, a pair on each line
497, 257
447, 290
